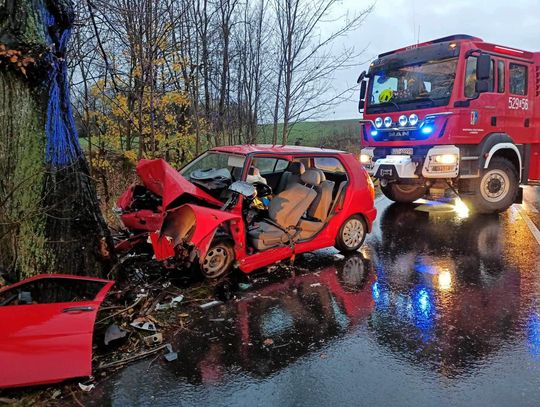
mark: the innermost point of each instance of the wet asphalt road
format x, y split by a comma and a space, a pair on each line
438, 309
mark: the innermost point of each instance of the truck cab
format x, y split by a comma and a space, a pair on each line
454, 113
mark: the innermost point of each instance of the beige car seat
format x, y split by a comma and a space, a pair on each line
285, 211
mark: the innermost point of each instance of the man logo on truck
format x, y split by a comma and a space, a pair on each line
466, 107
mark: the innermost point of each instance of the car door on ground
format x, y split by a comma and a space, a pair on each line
47, 326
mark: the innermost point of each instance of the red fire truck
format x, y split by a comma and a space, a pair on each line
456, 113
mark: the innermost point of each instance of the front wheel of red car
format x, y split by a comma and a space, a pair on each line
219, 259
352, 234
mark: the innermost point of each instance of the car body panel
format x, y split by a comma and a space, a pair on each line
162, 179
200, 222
48, 342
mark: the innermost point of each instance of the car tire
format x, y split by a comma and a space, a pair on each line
496, 188
403, 193
219, 259
351, 234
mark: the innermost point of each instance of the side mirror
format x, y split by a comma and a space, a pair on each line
361, 77
243, 188
363, 89
483, 67
482, 86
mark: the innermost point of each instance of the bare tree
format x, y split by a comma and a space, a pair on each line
306, 60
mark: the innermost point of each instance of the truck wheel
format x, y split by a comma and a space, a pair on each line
351, 234
219, 259
496, 188
402, 192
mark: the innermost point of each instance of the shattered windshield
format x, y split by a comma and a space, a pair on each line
424, 84
218, 163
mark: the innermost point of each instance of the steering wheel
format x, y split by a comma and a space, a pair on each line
262, 189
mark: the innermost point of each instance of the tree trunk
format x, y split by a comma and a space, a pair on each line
50, 219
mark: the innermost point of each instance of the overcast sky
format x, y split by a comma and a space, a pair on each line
391, 25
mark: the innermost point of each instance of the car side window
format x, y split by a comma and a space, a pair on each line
329, 164
518, 79
51, 290
269, 165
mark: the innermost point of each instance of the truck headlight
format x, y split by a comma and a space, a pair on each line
365, 158
402, 120
446, 159
378, 122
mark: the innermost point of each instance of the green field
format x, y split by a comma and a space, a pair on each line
342, 134
334, 134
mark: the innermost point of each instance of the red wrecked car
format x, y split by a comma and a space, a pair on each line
47, 326
248, 206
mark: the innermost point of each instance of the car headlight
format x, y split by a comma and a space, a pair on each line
387, 121
402, 120
413, 119
378, 122
446, 159
365, 158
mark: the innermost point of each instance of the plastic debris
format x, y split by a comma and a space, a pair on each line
171, 355
211, 304
143, 324
173, 304
87, 388
162, 307
217, 319
268, 342
315, 285
113, 333
155, 339
339, 256
244, 286
176, 300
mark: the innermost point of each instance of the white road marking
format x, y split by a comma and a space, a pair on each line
532, 227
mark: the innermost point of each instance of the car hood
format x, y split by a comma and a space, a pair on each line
163, 180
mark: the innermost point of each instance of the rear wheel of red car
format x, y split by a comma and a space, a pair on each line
219, 259
352, 234
402, 192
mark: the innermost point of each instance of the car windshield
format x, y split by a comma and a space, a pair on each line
214, 160
424, 84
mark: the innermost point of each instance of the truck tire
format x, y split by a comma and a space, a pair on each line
403, 193
496, 188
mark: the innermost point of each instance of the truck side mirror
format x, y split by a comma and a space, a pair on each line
363, 89
482, 86
483, 67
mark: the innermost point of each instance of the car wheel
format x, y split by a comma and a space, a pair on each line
403, 193
352, 234
496, 188
218, 260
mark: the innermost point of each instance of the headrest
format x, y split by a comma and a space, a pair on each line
323, 177
254, 171
296, 168
311, 177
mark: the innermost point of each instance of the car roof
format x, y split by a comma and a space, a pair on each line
274, 149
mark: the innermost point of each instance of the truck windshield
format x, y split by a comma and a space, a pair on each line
424, 84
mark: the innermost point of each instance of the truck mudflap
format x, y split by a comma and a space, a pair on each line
192, 224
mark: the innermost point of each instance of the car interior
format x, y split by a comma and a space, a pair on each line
303, 197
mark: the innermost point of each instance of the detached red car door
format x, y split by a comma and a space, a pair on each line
46, 328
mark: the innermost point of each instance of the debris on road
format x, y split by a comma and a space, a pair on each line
143, 324
210, 304
87, 388
113, 333
155, 339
